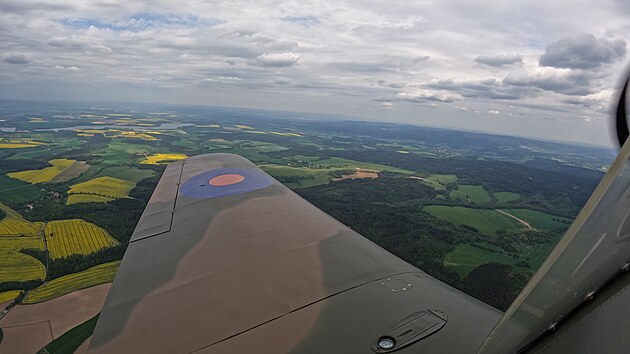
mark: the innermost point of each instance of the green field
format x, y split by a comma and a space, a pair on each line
474, 194
75, 236
16, 266
70, 341
16, 191
134, 175
44, 175
100, 274
464, 258
108, 187
506, 197
118, 152
540, 220
486, 221
536, 254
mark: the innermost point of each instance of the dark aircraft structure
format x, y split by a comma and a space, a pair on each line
225, 259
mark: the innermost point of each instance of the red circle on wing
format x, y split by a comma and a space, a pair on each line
226, 180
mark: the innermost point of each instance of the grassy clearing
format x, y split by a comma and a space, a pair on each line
100, 274
486, 221
70, 341
16, 191
16, 266
163, 158
75, 236
294, 177
107, 187
474, 194
9, 295
437, 182
541, 220
352, 164
506, 197
464, 258
14, 225
45, 175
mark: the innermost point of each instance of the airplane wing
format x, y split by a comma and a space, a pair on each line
227, 260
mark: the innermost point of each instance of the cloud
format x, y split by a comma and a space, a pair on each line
499, 60
484, 88
583, 51
15, 58
305, 21
422, 95
139, 22
565, 81
493, 111
277, 59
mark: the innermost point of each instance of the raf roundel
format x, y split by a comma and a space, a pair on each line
223, 182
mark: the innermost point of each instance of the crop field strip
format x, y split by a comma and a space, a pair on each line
76, 236
100, 274
44, 175
106, 187
17, 266
14, 225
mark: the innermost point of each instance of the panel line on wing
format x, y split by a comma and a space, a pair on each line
302, 307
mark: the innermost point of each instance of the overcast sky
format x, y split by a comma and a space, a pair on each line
546, 69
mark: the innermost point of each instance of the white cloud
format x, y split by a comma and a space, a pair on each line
493, 111
277, 59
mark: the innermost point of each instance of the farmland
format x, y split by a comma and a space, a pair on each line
9, 295
486, 221
16, 266
76, 236
468, 193
45, 175
100, 274
163, 158
87, 198
70, 341
107, 187
541, 220
437, 182
14, 225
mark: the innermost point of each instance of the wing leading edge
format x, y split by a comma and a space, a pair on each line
226, 259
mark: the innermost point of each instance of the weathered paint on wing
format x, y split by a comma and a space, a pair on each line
246, 265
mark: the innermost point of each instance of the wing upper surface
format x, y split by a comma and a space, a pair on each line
232, 250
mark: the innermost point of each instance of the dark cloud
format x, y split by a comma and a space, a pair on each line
583, 51
499, 60
15, 58
574, 82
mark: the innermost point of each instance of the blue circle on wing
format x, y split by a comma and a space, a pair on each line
199, 186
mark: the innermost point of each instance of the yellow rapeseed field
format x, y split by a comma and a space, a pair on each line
108, 187
44, 175
160, 158
75, 236
17, 266
9, 295
14, 225
100, 274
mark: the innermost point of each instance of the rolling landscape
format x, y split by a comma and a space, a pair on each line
479, 212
